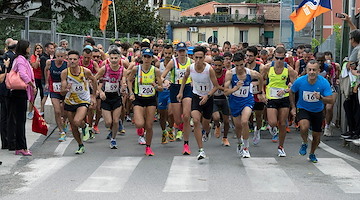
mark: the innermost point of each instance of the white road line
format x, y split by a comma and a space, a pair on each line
188, 175
346, 176
266, 175
111, 176
336, 152
60, 150
41, 169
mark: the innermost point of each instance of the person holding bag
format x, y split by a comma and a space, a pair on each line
19, 97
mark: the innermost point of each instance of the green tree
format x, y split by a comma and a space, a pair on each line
135, 16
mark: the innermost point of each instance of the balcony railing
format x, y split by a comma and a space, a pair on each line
221, 18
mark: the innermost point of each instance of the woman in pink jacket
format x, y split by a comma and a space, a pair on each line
19, 98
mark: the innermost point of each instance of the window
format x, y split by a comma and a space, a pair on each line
252, 11
244, 36
201, 37
188, 36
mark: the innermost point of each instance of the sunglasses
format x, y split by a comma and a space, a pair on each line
279, 58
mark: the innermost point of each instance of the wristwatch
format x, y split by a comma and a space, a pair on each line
208, 96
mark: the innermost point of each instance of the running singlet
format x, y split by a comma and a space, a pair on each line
219, 94
90, 66
244, 93
162, 69
302, 66
112, 79
179, 70
277, 82
79, 92
55, 76
201, 81
144, 81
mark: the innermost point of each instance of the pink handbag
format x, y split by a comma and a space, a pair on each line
14, 82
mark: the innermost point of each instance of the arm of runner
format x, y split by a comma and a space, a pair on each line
265, 71
297, 66
327, 100
168, 68
100, 73
158, 84
292, 74
96, 66
292, 103
228, 90
130, 80
123, 82
46, 73
257, 75
126, 63
89, 76
65, 87
98, 76
180, 95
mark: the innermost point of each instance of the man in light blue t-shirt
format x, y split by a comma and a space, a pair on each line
314, 90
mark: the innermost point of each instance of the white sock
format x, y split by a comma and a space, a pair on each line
246, 143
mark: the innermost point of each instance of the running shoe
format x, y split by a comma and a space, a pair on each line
246, 153
327, 132
201, 155
81, 150
312, 158
303, 149
204, 136
128, 118
62, 137
113, 144
163, 137
91, 133
66, 127
109, 136
281, 151
239, 149
85, 133
179, 135
171, 135
225, 142
140, 131
288, 129
275, 138
141, 140
96, 129
186, 150
273, 130
217, 131
30, 115
149, 152
121, 130
256, 138
263, 128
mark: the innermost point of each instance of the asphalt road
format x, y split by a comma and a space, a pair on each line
55, 172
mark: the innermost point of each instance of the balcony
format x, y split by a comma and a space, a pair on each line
223, 18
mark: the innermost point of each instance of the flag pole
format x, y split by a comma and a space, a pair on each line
115, 24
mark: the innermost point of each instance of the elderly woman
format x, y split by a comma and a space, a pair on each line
19, 98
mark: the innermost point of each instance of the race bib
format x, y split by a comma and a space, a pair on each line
180, 73
274, 92
77, 88
202, 87
146, 90
255, 87
219, 93
309, 97
111, 87
57, 87
242, 92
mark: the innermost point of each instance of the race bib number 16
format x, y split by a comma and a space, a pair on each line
309, 97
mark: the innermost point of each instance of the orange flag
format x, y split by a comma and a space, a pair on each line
307, 10
104, 16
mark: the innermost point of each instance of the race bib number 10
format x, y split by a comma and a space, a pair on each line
242, 92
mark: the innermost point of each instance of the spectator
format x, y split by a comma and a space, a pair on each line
18, 98
4, 64
35, 64
5, 98
64, 43
48, 54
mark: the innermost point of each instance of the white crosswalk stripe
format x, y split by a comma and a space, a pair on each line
188, 175
266, 175
111, 176
345, 176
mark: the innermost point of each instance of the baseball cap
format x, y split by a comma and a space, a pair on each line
147, 52
88, 47
146, 40
190, 50
181, 46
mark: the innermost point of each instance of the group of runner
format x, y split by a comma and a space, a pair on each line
192, 86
